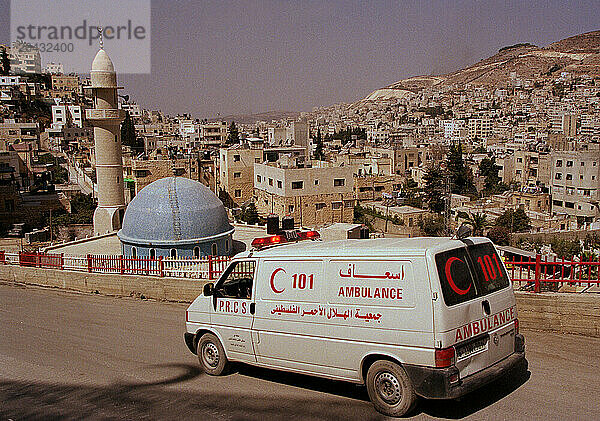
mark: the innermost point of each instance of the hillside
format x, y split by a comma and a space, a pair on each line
578, 55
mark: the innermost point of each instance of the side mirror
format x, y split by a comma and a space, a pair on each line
209, 289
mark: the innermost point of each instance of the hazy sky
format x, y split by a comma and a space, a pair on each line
212, 57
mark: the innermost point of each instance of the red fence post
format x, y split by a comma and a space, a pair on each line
89, 262
538, 267
3, 257
62, 261
161, 267
210, 267
121, 269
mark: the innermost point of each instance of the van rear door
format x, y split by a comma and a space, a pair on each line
477, 311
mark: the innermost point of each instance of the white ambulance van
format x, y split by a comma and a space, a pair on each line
429, 317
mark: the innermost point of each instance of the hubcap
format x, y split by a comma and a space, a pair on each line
210, 354
388, 388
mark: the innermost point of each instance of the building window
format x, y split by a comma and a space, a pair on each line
257, 160
336, 205
519, 160
236, 158
581, 176
559, 163
558, 176
270, 181
339, 182
196, 252
557, 203
173, 253
214, 249
227, 246
583, 163
570, 205
297, 185
348, 203
237, 175
152, 254
569, 163
133, 252
316, 182
319, 206
237, 193
279, 184
569, 176
258, 178
291, 209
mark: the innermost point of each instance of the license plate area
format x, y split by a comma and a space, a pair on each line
472, 347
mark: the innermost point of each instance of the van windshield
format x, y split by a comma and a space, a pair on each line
470, 272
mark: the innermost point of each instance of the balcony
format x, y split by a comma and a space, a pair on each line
95, 114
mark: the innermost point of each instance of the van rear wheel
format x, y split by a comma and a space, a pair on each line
390, 389
211, 355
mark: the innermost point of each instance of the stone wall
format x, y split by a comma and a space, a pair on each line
560, 312
168, 289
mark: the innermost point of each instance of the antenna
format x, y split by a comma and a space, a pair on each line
100, 30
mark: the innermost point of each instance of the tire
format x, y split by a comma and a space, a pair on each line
390, 389
212, 355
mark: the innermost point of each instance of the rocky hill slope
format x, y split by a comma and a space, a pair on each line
577, 55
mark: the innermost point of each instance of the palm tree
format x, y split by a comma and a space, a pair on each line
479, 222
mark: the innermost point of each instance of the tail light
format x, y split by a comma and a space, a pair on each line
516, 326
444, 357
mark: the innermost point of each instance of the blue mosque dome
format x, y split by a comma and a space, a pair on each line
176, 216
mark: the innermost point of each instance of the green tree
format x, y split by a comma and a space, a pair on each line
434, 191
489, 170
234, 135
319, 145
249, 214
478, 221
128, 136
433, 226
4, 62
499, 236
460, 178
514, 220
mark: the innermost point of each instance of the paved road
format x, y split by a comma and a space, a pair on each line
73, 356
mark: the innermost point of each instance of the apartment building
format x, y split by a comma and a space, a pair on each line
528, 168
236, 173
480, 128
313, 196
214, 133
575, 184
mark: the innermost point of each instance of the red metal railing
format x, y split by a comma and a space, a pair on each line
209, 267
541, 274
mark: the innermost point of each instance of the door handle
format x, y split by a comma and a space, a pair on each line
486, 307
252, 308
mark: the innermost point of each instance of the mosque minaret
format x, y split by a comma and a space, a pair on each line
106, 118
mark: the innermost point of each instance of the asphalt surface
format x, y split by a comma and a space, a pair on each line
76, 356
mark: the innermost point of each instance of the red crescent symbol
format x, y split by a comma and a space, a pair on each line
451, 281
275, 290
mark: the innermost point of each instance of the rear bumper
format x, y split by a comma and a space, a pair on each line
434, 383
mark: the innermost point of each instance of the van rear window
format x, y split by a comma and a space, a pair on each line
470, 272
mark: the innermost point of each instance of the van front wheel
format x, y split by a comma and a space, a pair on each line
390, 389
211, 355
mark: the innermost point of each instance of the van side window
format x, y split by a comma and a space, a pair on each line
236, 281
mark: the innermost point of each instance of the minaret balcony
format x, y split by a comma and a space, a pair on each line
98, 114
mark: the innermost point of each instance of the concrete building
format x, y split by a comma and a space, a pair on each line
528, 168
67, 116
480, 128
575, 184
54, 68
569, 125
106, 119
297, 133
312, 196
276, 135
25, 58
236, 173
214, 133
